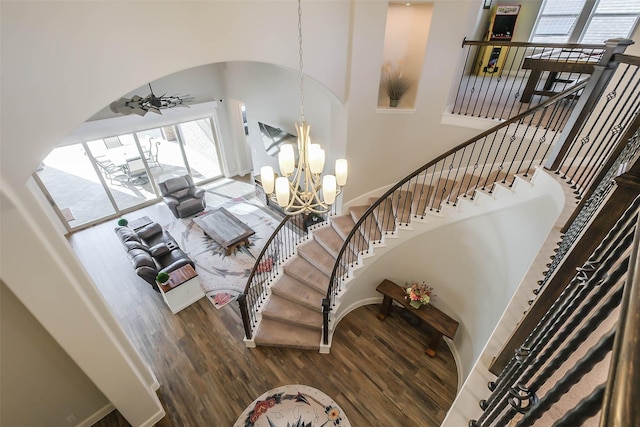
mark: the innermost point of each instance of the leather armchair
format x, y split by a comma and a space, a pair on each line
182, 196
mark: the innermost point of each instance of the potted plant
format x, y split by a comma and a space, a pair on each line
162, 277
396, 84
396, 87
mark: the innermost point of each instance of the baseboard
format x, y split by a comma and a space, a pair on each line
97, 416
456, 358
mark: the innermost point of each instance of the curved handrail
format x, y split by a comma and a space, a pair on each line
366, 216
249, 290
264, 250
279, 247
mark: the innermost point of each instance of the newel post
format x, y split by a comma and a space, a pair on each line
598, 82
244, 311
326, 309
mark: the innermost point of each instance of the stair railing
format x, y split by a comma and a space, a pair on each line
494, 157
501, 79
579, 331
614, 129
280, 246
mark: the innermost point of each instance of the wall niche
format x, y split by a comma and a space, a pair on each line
405, 42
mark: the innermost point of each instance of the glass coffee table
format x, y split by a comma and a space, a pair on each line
224, 228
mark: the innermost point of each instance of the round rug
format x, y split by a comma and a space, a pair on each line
293, 406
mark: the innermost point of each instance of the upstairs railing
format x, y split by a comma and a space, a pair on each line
501, 79
594, 319
497, 155
607, 134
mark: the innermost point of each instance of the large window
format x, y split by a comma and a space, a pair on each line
95, 180
585, 21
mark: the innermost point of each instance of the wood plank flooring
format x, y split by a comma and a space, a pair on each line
376, 371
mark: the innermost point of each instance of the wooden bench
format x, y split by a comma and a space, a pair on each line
438, 324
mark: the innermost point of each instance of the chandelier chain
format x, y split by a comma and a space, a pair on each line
302, 119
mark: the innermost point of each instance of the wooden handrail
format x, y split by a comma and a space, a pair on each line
369, 212
531, 44
620, 404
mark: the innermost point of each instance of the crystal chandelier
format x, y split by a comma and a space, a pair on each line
140, 106
301, 188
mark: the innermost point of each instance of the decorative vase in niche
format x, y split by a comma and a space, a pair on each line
393, 102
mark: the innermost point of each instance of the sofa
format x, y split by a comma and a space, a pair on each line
152, 250
182, 196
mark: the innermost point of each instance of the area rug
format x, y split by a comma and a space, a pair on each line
293, 406
224, 277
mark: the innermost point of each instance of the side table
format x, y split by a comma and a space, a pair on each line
438, 323
182, 289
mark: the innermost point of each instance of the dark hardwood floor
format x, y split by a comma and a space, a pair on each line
376, 371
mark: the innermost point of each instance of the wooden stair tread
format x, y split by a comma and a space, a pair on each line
284, 310
303, 271
272, 333
294, 290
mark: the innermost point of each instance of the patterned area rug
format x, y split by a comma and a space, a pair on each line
293, 406
224, 277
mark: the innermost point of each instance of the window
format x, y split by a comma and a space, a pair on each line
91, 181
585, 21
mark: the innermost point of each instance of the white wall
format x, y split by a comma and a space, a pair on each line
64, 61
31, 362
398, 141
475, 257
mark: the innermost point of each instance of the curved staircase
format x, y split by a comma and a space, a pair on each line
292, 314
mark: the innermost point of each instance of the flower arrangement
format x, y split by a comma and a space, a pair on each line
419, 293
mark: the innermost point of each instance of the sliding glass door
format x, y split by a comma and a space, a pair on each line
100, 179
200, 149
73, 185
119, 161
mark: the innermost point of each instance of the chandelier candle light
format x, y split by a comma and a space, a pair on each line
298, 188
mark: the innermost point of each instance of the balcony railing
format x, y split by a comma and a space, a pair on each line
593, 321
499, 80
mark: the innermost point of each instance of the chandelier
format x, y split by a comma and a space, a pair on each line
140, 106
301, 188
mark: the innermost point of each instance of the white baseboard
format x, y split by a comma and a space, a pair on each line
97, 416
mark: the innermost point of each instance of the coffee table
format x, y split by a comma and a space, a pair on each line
224, 228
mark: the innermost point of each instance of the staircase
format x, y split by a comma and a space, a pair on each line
292, 314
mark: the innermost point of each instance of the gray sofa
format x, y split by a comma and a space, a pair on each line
152, 250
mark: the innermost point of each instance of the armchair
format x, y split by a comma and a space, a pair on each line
182, 196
